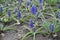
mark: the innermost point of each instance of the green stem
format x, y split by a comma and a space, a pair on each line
34, 36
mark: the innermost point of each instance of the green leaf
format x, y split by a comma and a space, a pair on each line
58, 1
42, 32
45, 24
1, 1
5, 19
51, 2
26, 35
1, 27
39, 29
8, 28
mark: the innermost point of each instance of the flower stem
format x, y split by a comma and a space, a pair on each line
34, 36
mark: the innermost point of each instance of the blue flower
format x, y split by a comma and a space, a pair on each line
31, 24
9, 13
59, 15
40, 1
58, 6
51, 27
0, 9
27, 4
33, 9
19, 1
6, 4
18, 15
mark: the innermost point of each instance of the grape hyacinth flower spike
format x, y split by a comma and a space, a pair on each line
58, 6
58, 15
51, 27
18, 14
40, 1
6, 4
33, 9
40, 4
27, 3
9, 14
31, 24
0, 8
19, 1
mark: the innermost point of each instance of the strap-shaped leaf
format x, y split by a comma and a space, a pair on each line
27, 35
45, 24
1, 27
8, 28
51, 2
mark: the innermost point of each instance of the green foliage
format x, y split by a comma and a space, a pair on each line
46, 24
27, 35
4, 29
51, 2
1, 27
26, 15
0, 1
7, 28
58, 1
32, 33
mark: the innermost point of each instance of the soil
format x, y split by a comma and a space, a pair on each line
18, 33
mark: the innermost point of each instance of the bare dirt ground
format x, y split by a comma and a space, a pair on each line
18, 33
